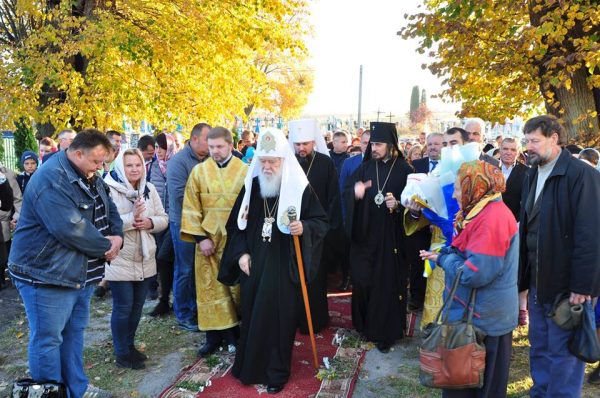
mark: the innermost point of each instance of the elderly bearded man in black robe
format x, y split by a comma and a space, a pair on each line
377, 264
260, 255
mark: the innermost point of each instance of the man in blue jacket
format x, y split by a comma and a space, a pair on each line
351, 164
560, 255
69, 227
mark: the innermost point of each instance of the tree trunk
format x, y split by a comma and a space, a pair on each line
79, 63
248, 110
576, 102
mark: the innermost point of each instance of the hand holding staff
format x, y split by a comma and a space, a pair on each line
292, 215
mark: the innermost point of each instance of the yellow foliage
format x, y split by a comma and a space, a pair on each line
164, 61
507, 58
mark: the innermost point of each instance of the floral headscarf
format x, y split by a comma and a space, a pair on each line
480, 183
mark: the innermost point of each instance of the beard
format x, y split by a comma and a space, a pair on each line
539, 159
269, 184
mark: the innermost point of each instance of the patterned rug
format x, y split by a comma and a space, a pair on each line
339, 348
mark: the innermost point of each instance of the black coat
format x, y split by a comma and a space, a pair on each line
568, 249
421, 165
514, 187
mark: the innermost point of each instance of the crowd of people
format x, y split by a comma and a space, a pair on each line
211, 223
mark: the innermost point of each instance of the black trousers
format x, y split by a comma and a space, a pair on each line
164, 263
417, 285
495, 380
230, 336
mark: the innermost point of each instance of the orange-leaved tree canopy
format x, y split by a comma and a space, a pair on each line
86, 63
508, 58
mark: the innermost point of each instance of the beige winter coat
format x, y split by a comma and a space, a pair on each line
136, 260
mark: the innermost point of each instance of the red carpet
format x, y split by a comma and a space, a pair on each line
303, 381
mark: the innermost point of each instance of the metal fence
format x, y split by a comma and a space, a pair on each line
9, 159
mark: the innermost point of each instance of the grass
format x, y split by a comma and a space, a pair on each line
158, 337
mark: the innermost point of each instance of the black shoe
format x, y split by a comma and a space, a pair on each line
274, 388
127, 361
162, 308
137, 355
384, 348
594, 377
207, 350
100, 291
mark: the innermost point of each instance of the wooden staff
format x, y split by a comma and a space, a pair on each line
292, 217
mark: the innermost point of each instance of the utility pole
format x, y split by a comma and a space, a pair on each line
360, 96
390, 116
379, 113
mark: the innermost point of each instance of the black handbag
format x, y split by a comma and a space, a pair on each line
584, 342
27, 388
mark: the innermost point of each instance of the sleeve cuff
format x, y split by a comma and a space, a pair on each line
200, 238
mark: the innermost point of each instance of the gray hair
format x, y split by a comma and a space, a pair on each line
475, 120
435, 135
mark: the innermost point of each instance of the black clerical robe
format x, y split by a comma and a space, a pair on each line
270, 303
323, 178
377, 260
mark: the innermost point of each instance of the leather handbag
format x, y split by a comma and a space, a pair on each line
452, 355
27, 388
584, 342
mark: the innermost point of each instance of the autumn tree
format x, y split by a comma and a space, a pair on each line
289, 80
508, 58
76, 63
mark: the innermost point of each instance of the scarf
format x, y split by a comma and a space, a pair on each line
480, 183
171, 150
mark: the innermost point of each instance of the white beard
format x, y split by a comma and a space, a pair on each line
269, 185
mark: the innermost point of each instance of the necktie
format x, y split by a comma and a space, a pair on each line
432, 164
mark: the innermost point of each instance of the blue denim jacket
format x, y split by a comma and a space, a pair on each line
55, 234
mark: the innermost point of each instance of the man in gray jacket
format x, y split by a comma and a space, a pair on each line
178, 170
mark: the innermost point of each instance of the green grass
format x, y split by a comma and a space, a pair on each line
157, 337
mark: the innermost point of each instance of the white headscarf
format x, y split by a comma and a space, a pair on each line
305, 130
124, 186
272, 143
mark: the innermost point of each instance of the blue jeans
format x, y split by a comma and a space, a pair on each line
57, 319
128, 302
555, 372
184, 284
